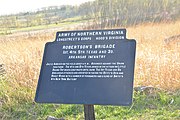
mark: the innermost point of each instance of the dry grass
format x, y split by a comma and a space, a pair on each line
157, 64
22, 56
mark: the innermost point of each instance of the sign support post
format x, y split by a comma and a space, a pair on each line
89, 112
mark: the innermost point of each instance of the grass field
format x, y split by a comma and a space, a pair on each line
65, 24
157, 65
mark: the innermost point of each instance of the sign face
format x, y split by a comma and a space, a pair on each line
88, 67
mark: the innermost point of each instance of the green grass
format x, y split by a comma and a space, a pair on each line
67, 23
16, 103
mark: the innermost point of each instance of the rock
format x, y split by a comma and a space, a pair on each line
146, 89
53, 118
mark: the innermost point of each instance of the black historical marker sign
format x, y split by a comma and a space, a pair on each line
88, 67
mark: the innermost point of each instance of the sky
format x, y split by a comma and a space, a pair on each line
16, 6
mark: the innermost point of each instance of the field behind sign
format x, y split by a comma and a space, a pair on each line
157, 63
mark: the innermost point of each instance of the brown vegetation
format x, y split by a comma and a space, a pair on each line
156, 64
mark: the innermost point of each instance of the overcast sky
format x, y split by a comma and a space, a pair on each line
16, 6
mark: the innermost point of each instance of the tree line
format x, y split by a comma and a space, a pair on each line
106, 13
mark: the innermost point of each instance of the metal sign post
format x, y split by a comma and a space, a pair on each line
89, 112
